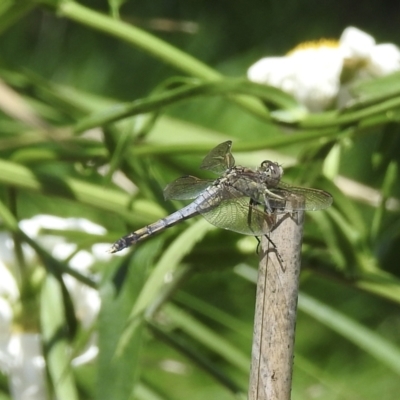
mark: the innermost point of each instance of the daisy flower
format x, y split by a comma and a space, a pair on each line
315, 72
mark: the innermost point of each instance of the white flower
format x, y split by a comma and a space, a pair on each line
8, 286
384, 59
27, 369
21, 352
312, 72
86, 300
372, 60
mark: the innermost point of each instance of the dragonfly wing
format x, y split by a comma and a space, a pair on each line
219, 159
229, 209
186, 187
298, 198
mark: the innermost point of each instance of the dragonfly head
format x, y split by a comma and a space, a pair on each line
271, 171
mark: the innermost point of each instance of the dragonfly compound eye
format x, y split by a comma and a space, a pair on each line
271, 170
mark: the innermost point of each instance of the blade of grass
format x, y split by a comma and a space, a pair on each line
206, 336
270, 143
336, 119
54, 335
117, 374
166, 265
135, 36
148, 43
12, 11
94, 195
199, 360
372, 343
183, 92
170, 261
389, 182
211, 312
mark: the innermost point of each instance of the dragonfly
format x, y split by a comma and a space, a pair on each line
241, 199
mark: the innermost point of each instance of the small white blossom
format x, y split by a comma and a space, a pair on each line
21, 352
27, 369
372, 60
8, 286
356, 44
312, 72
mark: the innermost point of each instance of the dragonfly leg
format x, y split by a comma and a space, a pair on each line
266, 201
271, 194
274, 249
267, 206
269, 240
258, 245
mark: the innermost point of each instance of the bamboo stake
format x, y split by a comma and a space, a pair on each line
276, 306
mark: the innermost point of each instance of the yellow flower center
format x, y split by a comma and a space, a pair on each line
315, 44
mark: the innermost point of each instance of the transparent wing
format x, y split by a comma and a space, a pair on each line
299, 198
186, 187
239, 214
219, 159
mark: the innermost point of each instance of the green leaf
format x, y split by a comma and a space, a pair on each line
369, 341
166, 266
375, 90
197, 88
118, 372
58, 353
111, 200
12, 11
207, 337
390, 180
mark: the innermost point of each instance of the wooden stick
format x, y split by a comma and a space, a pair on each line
276, 306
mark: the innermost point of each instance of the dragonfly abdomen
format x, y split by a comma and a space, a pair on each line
163, 223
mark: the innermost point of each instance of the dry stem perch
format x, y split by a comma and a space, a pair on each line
275, 315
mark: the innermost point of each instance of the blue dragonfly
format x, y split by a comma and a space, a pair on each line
241, 199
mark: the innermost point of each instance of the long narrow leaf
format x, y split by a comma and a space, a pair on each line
111, 200
372, 343
166, 266
55, 339
169, 97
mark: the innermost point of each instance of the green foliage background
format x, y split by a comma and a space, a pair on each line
159, 84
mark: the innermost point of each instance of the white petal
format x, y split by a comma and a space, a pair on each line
356, 44
6, 248
6, 317
86, 300
384, 59
311, 76
27, 377
8, 285
271, 71
317, 78
87, 356
87, 226
82, 261
33, 225
100, 251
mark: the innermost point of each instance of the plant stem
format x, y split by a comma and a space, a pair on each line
276, 305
